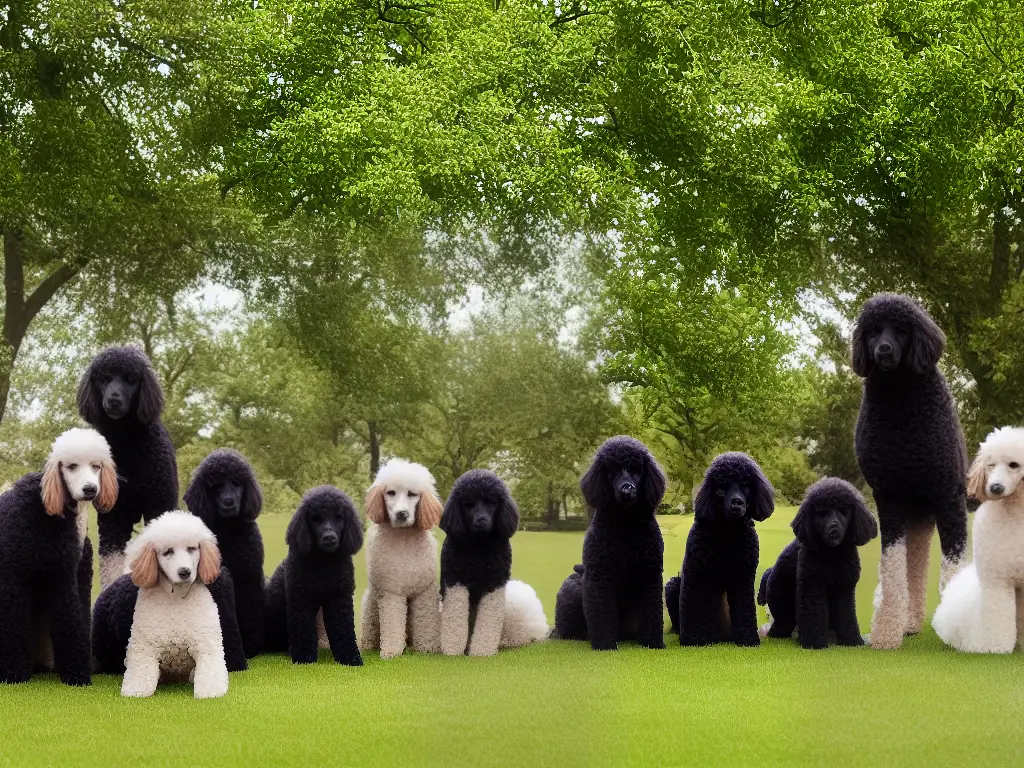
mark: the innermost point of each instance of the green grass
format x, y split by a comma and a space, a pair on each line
553, 704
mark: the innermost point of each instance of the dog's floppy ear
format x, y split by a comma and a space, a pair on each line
452, 521
88, 399
652, 487
375, 505
703, 504
801, 524
594, 485
107, 497
352, 534
926, 343
860, 355
252, 497
143, 567
428, 510
298, 536
863, 527
764, 496
197, 500
507, 520
54, 496
977, 487
209, 561
151, 397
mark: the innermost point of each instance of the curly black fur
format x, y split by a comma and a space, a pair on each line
114, 613
121, 398
716, 593
225, 494
317, 574
812, 585
618, 589
40, 573
479, 519
909, 443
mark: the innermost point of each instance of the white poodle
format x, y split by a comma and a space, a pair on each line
176, 631
982, 608
402, 600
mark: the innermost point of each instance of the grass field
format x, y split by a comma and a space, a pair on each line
556, 703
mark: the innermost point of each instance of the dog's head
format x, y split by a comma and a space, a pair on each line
403, 496
173, 550
894, 332
78, 469
224, 487
625, 475
480, 505
833, 513
997, 471
120, 384
325, 522
734, 490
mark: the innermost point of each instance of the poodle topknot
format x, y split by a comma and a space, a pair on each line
172, 532
403, 495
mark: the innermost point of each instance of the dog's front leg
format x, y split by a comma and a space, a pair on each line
142, 671
210, 676
369, 635
302, 642
392, 625
490, 619
743, 611
425, 621
340, 624
601, 609
892, 596
998, 617
69, 629
455, 620
842, 608
651, 630
812, 612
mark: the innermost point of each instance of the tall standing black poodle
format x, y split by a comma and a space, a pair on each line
120, 396
479, 519
224, 493
911, 451
713, 598
616, 594
812, 586
317, 574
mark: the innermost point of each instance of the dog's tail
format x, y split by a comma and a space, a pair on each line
762, 590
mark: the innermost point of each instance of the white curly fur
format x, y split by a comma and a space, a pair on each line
176, 632
525, 621
982, 608
402, 600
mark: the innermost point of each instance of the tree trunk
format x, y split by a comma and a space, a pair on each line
374, 449
552, 512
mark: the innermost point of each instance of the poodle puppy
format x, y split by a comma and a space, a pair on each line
317, 575
175, 628
812, 585
120, 397
402, 599
45, 596
476, 564
982, 608
616, 593
911, 451
224, 493
716, 581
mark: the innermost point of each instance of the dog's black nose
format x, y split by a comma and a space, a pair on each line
401, 516
628, 490
228, 503
996, 489
89, 491
885, 348
184, 573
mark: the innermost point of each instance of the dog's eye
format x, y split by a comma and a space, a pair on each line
129, 379
193, 550
1014, 465
413, 495
391, 494
720, 493
95, 467
168, 552
104, 379
72, 467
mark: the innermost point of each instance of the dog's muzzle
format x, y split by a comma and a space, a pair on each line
184, 574
996, 489
89, 492
329, 542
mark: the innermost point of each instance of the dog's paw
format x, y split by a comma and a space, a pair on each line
214, 691
12, 678
136, 693
77, 680
351, 661
391, 653
304, 659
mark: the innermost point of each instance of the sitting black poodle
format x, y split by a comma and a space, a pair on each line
120, 396
616, 594
225, 494
317, 574
716, 586
812, 585
476, 562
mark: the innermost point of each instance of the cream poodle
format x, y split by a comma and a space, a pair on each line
176, 632
402, 600
982, 608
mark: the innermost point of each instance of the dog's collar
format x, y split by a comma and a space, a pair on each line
180, 591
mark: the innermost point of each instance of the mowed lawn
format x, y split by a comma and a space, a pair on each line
556, 703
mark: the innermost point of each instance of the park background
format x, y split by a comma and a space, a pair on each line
492, 234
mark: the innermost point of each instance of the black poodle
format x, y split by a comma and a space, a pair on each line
476, 562
225, 494
911, 451
120, 396
616, 594
812, 585
317, 574
713, 598
114, 613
